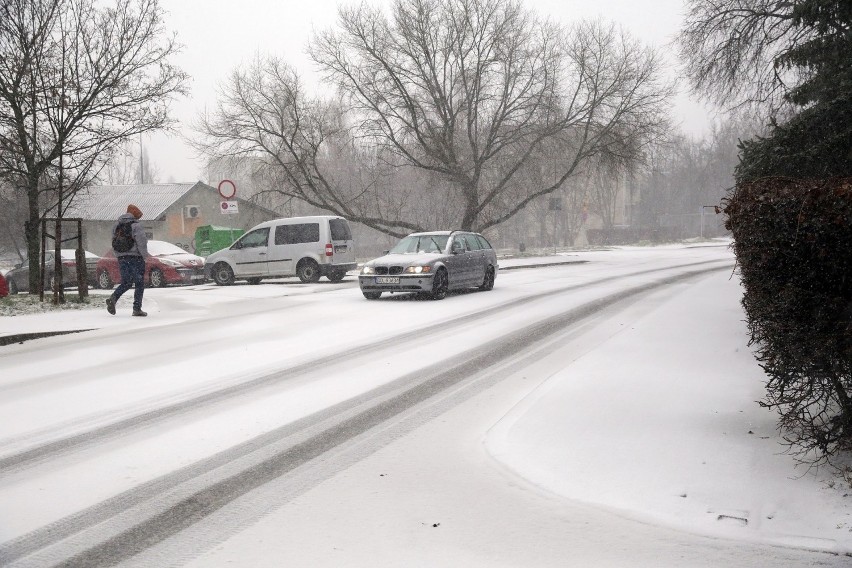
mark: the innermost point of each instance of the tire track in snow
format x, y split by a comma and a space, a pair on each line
144, 516
58, 444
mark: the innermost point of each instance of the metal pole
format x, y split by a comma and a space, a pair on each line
80, 260
57, 280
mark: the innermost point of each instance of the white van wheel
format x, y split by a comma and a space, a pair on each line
308, 271
336, 275
223, 275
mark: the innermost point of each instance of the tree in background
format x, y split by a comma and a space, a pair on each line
12, 210
792, 62
77, 78
130, 164
297, 146
683, 175
462, 99
478, 90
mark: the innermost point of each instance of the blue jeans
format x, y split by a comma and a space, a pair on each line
132, 275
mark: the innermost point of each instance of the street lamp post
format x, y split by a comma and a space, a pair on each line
715, 209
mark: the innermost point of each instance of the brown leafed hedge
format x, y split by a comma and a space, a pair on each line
793, 243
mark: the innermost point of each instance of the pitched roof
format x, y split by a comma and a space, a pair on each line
107, 202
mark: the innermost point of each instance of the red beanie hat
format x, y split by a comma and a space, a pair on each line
135, 211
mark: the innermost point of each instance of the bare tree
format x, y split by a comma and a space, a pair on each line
12, 210
478, 90
458, 96
130, 164
77, 77
731, 48
301, 146
605, 184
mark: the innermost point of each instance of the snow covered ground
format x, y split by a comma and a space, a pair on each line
632, 438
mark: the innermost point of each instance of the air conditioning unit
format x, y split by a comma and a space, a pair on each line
191, 211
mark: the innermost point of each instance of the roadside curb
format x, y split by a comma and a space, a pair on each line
541, 264
21, 337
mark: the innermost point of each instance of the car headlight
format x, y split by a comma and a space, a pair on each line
170, 262
368, 270
418, 269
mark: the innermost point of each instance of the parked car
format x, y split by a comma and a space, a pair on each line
4, 286
19, 277
168, 264
307, 247
431, 264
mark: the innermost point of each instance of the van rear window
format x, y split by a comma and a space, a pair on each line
340, 230
295, 234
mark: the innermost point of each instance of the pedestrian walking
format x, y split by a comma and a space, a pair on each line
130, 246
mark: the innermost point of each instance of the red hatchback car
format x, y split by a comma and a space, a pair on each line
168, 264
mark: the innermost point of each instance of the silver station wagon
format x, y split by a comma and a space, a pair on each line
431, 264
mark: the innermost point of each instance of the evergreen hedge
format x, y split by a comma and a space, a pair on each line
793, 243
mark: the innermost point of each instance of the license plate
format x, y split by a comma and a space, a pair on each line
387, 280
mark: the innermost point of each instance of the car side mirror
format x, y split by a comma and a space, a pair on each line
384, 252
457, 248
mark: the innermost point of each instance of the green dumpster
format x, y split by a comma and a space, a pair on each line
210, 238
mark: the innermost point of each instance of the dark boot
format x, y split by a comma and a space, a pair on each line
139, 313
111, 305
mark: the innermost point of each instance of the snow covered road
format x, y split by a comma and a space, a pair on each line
150, 442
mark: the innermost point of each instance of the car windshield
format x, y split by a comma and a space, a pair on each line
421, 243
162, 248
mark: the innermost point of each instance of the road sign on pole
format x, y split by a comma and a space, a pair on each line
228, 207
227, 189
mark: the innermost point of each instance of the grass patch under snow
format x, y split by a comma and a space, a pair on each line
22, 304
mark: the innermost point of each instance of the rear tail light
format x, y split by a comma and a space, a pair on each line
329, 249
68, 263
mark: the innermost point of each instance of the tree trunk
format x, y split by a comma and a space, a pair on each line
31, 229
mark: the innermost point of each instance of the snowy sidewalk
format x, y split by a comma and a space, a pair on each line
660, 423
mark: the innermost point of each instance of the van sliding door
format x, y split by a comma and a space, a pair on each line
290, 243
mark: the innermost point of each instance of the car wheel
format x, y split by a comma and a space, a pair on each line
488, 283
13, 288
336, 275
223, 275
440, 285
308, 271
157, 278
371, 295
104, 281
253, 281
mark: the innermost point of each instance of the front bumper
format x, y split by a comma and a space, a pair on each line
407, 283
192, 275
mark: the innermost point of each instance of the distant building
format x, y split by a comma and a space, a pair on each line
170, 212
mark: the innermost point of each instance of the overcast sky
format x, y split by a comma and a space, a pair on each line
219, 35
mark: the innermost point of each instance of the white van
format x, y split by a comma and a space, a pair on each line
307, 247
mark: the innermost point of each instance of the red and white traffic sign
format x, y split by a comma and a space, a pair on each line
226, 207
227, 189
